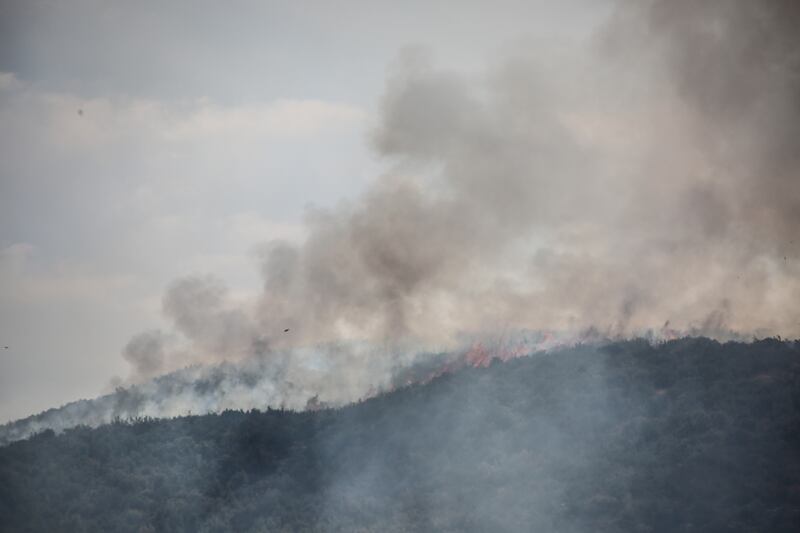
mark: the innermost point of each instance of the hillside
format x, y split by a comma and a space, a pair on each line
688, 435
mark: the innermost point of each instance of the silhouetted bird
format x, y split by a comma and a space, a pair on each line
286, 330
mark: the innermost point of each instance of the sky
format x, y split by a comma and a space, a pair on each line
203, 182
144, 141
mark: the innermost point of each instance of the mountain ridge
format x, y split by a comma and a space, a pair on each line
687, 435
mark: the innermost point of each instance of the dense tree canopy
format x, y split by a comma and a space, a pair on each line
688, 435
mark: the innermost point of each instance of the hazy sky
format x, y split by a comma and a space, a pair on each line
142, 141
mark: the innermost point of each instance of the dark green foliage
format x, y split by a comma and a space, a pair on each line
690, 435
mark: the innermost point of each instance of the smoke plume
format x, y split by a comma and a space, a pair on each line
645, 179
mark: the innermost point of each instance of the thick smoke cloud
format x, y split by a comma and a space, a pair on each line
736, 65
145, 352
649, 180
201, 310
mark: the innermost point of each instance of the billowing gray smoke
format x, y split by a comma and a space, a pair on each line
649, 177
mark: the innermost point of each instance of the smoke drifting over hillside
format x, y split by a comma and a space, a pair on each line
689, 435
331, 375
650, 177
643, 185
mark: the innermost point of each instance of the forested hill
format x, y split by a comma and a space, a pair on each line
689, 435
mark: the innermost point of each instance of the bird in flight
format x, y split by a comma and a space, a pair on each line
286, 330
